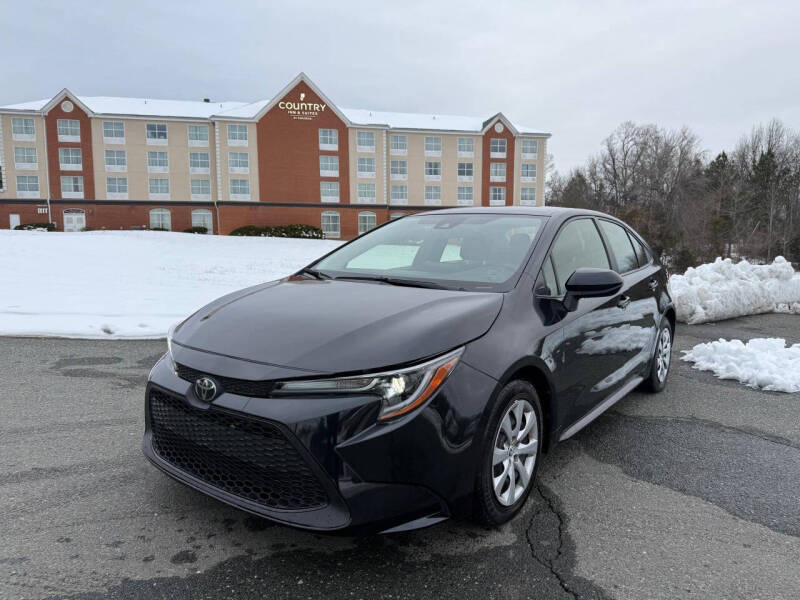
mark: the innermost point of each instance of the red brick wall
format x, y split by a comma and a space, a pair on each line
487, 160
53, 165
288, 151
27, 212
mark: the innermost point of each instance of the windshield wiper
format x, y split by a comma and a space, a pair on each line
395, 281
314, 273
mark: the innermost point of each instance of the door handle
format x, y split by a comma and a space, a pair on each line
653, 284
623, 302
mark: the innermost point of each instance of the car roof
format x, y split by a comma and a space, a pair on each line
541, 211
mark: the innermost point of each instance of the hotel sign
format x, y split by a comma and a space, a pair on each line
302, 110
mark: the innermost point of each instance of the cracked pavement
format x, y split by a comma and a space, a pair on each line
692, 493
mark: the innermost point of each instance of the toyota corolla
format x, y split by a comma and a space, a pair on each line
414, 374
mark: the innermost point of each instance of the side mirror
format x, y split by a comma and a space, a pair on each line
590, 283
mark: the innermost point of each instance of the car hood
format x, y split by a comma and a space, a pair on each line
327, 326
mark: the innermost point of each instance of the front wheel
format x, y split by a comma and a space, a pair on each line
662, 356
510, 454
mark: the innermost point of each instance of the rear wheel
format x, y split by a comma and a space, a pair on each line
662, 357
510, 454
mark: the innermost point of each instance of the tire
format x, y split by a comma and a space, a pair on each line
516, 403
657, 379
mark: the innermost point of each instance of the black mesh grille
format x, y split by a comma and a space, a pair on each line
242, 456
243, 387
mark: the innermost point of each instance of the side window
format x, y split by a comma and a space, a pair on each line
578, 245
641, 253
620, 245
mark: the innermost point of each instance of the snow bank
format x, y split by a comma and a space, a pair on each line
723, 290
130, 284
764, 363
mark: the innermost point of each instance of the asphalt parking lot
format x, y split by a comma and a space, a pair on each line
693, 493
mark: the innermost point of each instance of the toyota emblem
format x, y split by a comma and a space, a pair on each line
205, 388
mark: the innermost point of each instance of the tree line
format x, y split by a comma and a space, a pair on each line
742, 204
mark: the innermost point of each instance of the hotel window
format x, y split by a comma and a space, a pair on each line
398, 145
497, 148
528, 172
366, 193
497, 172
23, 129
329, 191
399, 194
240, 189
71, 187
433, 195
396, 215
433, 171
465, 197
116, 160
160, 219
156, 134
330, 224
365, 141
157, 162
28, 186
69, 130
113, 132
159, 188
366, 167
25, 158
238, 162
497, 196
398, 170
237, 135
328, 139
466, 147
366, 221
201, 189
527, 196
201, 217
433, 146
117, 188
530, 148
199, 163
328, 166
70, 159
465, 171
198, 135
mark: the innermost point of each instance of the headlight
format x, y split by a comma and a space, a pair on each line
170, 333
400, 391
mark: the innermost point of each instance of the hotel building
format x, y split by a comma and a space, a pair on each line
120, 163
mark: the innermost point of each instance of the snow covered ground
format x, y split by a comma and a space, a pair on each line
765, 363
724, 289
130, 284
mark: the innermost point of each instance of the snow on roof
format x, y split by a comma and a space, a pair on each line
398, 120
146, 107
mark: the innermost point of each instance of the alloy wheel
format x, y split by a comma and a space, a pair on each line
663, 354
514, 452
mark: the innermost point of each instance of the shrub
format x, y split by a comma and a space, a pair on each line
684, 259
158, 229
248, 230
196, 229
36, 227
287, 231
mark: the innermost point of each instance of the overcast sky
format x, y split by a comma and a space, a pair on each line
573, 69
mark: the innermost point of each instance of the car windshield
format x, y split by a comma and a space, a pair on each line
470, 251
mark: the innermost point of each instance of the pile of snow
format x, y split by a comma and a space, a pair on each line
764, 363
130, 284
723, 290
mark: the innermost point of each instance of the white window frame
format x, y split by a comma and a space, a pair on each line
20, 130
157, 155
396, 197
237, 139
362, 137
467, 173
364, 226
367, 193
197, 142
25, 190
526, 152
497, 177
26, 164
201, 194
241, 167
433, 145
466, 147
159, 194
325, 191
398, 170
326, 161
72, 194
329, 139
207, 219
527, 178
398, 145
464, 197
153, 134
69, 130
117, 195
163, 218
113, 139
197, 158
433, 170
363, 162
497, 195
115, 166
70, 165
431, 198
236, 182
329, 231
527, 201
494, 147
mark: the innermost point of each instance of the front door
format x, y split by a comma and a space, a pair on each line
13, 221
74, 220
